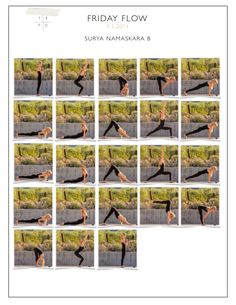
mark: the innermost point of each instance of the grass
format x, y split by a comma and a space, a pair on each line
150, 155
111, 69
149, 110
198, 156
25, 69
191, 198
32, 198
69, 240
119, 111
113, 243
121, 198
119, 155
27, 240
75, 112
28, 111
33, 154
148, 195
150, 69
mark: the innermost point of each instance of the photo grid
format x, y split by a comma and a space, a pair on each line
98, 157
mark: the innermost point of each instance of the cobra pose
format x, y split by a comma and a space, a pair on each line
118, 173
80, 134
44, 176
83, 178
211, 84
118, 215
82, 74
209, 172
161, 170
124, 243
40, 133
209, 127
82, 244
79, 221
42, 221
166, 80
162, 116
39, 70
39, 257
170, 214
124, 86
118, 128
208, 210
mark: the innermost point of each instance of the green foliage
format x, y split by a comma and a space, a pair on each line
33, 154
118, 110
149, 110
200, 112
148, 195
25, 69
27, 240
114, 243
69, 69
32, 198
119, 155
75, 111
191, 198
36, 111
150, 69
111, 69
150, 155
121, 198
204, 155
69, 240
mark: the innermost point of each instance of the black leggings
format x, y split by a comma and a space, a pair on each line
39, 81
161, 171
122, 82
33, 133
159, 80
122, 253
112, 210
167, 202
199, 129
201, 208
76, 222
79, 179
77, 253
30, 176
37, 252
77, 83
203, 172
33, 220
112, 123
75, 136
197, 87
161, 126
111, 169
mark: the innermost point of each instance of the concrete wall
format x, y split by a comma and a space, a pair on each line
188, 84
30, 127
156, 216
29, 87
130, 128
146, 127
68, 258
22, 214
146, 172
68, 87
191, 216
187, 127
112, 87
27, 258
130, 172
22, 170
66, 129
69, 215
113, 258
188, 171
68, 173
131, 216
151, 87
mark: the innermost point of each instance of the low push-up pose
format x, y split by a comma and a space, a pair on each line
43, 220
80, 134
124, 86
79, 221
39, 70
44, 176
209, 171
167, 81
39, 256
82, 74
170, 214
210, 127
40, 133
118, 215
161, 170
208, 211
118, 128
118, 173
83, 178
210, 84
81, 248
124, 243
162, 116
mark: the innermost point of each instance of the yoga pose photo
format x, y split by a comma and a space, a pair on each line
124, 86
44, 176
208, 171
207, 210
44, 133
170, 214
82, 220
162, 117
118, 128
82, 244
209, 127
166, 82
161, 170
124, 244
39, 70
81, 134
118, 215
117, 172
39, 257
42, 221
211, 84
82, 75
83, 178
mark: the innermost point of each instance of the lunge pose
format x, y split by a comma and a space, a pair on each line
40, 133
208, 211
209, 171
83, 178
162, 116
39, 256
167, 81
43, 220
124, 244
210, 127
161, 170
79, 221
124, 86
82, 74
118, 173
118, 215
80, 134
81, 248
39, 70
170, 214
118, 128
44, 176
210, 84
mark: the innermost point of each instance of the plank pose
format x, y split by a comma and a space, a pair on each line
209, 171
209, 127
210, 84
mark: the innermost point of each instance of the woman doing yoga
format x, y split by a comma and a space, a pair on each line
162, 117
124, 86
118, 173
82, 74
118, 128
80, 134
43, 220
208, 210
44, 176
40, 133
210, 84
79, 221
124, 244
118, 215
161, 170
167, 81
81, 248
209, 171
83, 178
209, 127
39, 257
170, 214
39, 70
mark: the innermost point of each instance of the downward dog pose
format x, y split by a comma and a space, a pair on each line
83, 178
124, 86
80, 134
43, 220
167, 81
118, 128
118, 215
161, 170
41, 176
82, 74
210, 84
39, 70
209, 171
210, 127
170, 214
81, 248
39, 257
79, 221
124, 243
162, 116
40, 133
208, 211
118, 173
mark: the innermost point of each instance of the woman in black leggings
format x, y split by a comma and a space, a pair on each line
41, 176
118, 173
210, 84
162, 116
39, 256
40, 133
79, 179
209, 171
161, 171
80, 249
43, 220
118, 215
170, 214
208, 211
117, 127
79, 221
80, 77
80, 134
124, 243
124, 86
210, 127
166, 80
39, 70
